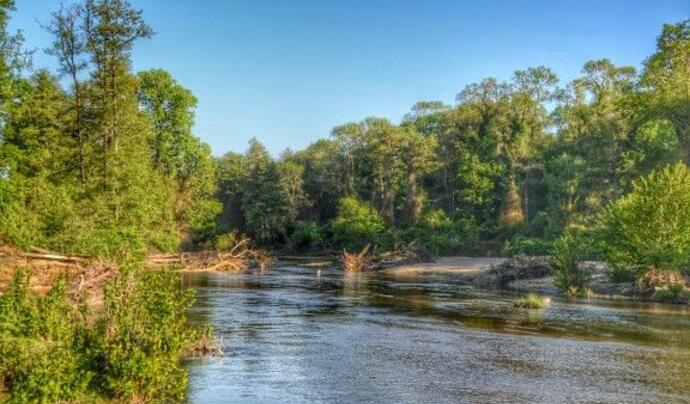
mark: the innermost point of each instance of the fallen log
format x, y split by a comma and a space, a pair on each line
39, 250
238, 257
55, 257
364, 262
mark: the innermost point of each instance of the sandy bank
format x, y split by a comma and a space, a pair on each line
447, 265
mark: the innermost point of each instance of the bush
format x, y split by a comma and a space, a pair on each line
532, 301
527, 246
41, 341
51, 351
226, 242
673, 293
568, 251
141, 337
356, 225
469, 236
439, 234
650, 227
306, 236
434, 232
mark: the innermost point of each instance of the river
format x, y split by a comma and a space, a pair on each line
301, 335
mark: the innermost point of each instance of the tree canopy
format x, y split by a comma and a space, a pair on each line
100, 159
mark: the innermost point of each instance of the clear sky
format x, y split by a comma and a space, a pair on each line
287, 72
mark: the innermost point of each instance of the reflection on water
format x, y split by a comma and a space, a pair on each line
297, 336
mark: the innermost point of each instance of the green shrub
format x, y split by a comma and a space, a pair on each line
649, 228
532, 301
438, 233
434, 232
306, 236
568, 251
141, 337
226, 241
356, 225
51, 351
674, 293
470, 236
40, 344
527, 246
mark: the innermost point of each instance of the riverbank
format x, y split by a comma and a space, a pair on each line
463, 266
478, 271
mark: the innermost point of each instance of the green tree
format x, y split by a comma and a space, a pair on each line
292, 184
649, 228
666, 77
586, 166
324, 181
178, 154
568, 253
357, 224
123, 204
265, 203
40, 207
418, 161
231, 175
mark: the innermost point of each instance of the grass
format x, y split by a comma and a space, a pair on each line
674, 293
532, 301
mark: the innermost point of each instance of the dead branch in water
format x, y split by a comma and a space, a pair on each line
235, 257
356, 262
362, 261
213, 261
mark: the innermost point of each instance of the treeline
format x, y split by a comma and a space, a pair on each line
95, 158
507, 169
101, 160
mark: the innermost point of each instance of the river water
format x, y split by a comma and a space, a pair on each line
301, 335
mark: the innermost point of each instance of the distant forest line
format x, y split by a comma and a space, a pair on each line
99, 159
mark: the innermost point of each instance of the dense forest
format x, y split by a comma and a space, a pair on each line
512, 165
99, 160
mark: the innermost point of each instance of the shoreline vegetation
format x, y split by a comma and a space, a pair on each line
100, 168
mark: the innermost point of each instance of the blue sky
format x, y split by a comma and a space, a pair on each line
287, 72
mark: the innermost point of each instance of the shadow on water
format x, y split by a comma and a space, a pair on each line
294, 334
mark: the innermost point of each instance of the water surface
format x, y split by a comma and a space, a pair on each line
298, 335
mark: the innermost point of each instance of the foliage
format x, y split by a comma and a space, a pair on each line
513, 165
264, 200
141, 337
532, 301
673, 293
54, 351
178, 154
306, 236
106, 166
356, 225
568, 274
439, 234
649, 228
527, 246
40, 337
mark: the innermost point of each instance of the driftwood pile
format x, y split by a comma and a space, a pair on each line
86, 276
238, 258
364, 261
